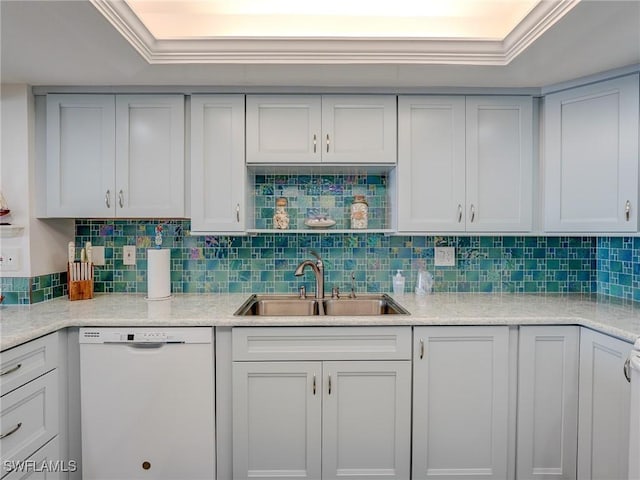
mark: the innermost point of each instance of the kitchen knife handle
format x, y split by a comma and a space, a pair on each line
107, 199
627, 210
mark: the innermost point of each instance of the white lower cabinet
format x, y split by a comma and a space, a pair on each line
460, 402
603, 425
321, 419
547, 402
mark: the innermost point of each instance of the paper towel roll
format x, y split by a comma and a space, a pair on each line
158, 273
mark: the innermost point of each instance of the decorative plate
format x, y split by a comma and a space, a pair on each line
319, 222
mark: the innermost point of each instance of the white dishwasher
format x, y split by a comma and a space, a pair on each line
147, 403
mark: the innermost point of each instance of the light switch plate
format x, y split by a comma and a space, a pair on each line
10, 260
129, 254
444, 256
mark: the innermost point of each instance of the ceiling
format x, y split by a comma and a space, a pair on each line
71, 43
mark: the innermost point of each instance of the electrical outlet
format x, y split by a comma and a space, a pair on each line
129, 254
10, 260
444, 256
97, 255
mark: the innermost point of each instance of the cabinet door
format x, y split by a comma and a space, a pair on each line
218, 175
366, 419
359, 129
460, 402
499, 164
283, 128
277, 411
604, 397
591, 158
547, 402
81, 156
150, 156
431, 163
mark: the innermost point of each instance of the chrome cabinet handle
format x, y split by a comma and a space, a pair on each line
329, 384
327, 143
627, 369
107, 199
238, 212
314, 383
315, 143
421, 349
627, 210
473, 213
11, 370
459, 213
12, 431
121, 198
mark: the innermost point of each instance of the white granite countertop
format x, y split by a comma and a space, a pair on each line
19, 324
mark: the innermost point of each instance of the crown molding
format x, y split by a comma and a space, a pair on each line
298, 50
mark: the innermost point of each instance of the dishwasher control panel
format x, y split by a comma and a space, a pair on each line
146, 335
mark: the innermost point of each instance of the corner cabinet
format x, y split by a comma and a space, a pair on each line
465, 164
321, 402
591, 157
334, 129
115, 156
218, 173
460, 402
604, 398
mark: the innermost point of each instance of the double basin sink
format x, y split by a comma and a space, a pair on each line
293, 305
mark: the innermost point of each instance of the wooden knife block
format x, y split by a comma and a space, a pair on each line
80, 289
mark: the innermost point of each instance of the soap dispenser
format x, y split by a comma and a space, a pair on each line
398, 283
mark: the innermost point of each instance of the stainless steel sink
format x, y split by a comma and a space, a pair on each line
293, 305
381, 304
278, 305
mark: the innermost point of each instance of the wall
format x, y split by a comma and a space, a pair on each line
266, 262
43, 242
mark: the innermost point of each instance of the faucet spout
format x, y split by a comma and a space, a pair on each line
318, 271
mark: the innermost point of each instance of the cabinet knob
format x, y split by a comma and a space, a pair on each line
11, 370
327, 143
121, 198
459, 213
314, 383
12, 431
473, 213
315, 143
627, 210
238, 212
107, 198
329, 384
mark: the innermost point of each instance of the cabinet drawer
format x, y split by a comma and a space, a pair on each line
321, 343
23, 363
45, 464
29, 418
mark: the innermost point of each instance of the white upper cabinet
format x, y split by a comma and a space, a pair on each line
465, 164
218, 173
591, 158
110, 156
80, 163
499, 164
431, 163
340, 129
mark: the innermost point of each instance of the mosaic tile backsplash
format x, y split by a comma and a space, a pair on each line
26, 290
266, 262
313, 195
618, 267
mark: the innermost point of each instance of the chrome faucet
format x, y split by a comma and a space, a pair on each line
318, 271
